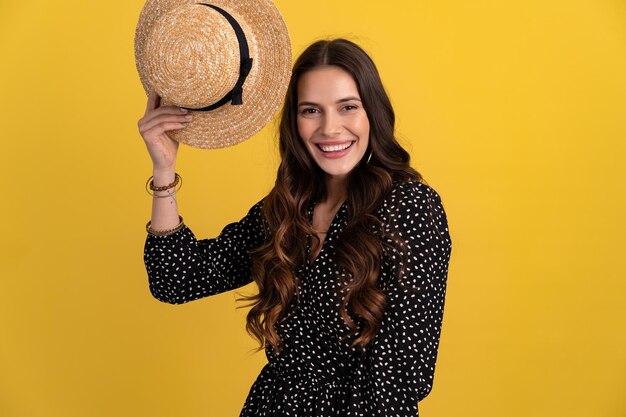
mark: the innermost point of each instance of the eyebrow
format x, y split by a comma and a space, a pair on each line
310, 103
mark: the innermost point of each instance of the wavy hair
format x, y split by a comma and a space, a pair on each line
362, 244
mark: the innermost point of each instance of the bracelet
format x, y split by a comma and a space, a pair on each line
169, 194
166, 232
150, 184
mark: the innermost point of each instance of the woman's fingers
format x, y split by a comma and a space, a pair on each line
153, 127
155, 114
163, 118
173, 110
157, 130
152, 101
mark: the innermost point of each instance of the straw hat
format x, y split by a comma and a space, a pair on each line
194, 55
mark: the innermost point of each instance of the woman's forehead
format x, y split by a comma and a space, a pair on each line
326, 84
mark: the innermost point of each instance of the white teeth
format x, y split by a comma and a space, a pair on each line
335, 148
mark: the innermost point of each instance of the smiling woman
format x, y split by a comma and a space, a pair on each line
332, 121
349, 250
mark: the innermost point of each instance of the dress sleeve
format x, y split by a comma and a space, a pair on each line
182, 268
404, 351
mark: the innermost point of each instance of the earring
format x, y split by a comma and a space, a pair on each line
369, 157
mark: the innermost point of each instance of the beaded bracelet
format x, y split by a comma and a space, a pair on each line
150, 184
166, 232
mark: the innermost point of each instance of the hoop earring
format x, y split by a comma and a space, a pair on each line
369, 157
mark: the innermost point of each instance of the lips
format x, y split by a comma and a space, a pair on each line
328, 147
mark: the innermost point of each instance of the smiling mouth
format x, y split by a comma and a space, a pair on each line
335, 148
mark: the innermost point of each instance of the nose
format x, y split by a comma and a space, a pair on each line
331, 124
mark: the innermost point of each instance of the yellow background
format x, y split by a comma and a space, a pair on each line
514, 111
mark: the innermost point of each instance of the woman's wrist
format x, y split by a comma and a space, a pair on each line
165, 218
162, 177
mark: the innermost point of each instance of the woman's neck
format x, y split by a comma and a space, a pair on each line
336, 191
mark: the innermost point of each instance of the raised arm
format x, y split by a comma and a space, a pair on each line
180, 267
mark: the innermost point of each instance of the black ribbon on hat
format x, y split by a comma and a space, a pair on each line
234, 95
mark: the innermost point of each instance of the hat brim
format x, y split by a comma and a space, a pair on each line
264, 88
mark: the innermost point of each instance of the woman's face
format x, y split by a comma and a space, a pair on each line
331, 120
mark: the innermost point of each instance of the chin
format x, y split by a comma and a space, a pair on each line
337, 171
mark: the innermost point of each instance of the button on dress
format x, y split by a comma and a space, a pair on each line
317, 374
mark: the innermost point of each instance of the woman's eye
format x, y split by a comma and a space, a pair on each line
311, 110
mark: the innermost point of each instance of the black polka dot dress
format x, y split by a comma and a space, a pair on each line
316, 374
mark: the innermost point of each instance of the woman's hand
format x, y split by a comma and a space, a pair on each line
152, 127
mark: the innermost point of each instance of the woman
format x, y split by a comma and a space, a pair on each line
349, 250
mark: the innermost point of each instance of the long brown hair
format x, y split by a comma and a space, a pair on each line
361, 245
